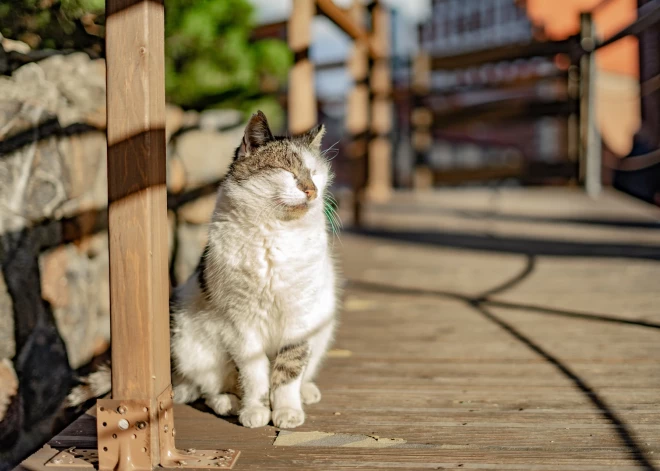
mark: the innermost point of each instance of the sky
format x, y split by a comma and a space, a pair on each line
330, 44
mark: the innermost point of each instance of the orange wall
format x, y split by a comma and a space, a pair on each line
561, 18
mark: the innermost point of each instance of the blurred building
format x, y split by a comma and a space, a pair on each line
459, 27
463, 27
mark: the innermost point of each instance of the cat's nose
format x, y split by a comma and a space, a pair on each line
311, 193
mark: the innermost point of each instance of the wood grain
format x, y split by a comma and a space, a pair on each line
302, 109
521, 390
137, 212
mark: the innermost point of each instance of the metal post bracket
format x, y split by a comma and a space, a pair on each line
124, 434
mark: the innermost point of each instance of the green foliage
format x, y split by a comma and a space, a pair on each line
210, 60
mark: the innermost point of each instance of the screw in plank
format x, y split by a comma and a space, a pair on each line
124, 424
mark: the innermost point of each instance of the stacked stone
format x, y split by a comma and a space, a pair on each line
53, 209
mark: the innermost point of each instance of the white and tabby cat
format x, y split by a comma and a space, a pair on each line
256, 318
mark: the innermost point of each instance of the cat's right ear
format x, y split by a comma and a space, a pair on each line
257, 133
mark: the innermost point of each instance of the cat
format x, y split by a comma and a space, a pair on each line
256, 318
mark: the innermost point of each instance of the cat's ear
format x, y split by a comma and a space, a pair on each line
257, 133
313, 137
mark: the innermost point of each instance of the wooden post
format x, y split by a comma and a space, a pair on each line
137, 213
590, 142
379, 177
357, 115
302, 97
421, 120
573, 120
135, 428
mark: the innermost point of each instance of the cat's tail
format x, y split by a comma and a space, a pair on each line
97, 384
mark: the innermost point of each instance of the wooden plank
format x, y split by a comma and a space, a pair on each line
505, 109
422, 121
267, 31
413, 359
379, 174
137, 192
358, 112
509, 52
302, 109
345, 21
590, 141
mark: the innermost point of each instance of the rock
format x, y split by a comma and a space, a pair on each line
173, 120
80, 85
7, 342
75, 281
207, 155
84, 157
198, 211
72, 87
19, 117
190, 119
176, 175
212, 120
10, 45
8, 385
192, 240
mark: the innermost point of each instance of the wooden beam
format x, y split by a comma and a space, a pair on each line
343, 19
357, 115
590, 142
422, 121
648, 16
509, 52
135, 428
302, 109
379, 164
507, 109
270, 30
137, 214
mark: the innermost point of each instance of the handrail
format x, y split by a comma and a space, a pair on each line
645, 20
507, 52
343, 20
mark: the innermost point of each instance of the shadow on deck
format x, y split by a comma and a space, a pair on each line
515, 329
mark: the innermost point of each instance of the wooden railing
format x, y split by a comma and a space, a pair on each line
135, 428
369, 107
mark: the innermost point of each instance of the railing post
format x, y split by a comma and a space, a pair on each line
302, 97
357, 115
379, 176
135, 428
590, 142
422, 121
137, 214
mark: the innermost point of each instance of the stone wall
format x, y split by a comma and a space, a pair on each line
54, 309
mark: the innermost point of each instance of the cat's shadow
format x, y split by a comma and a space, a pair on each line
202, 407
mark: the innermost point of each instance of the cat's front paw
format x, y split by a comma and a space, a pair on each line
224, 404
310, 394
286, 417
254, 417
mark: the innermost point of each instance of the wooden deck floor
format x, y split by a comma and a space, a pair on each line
510, 330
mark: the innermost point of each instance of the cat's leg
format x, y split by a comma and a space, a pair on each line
184, 391
253, 376
225, 400
318, 347
286, 380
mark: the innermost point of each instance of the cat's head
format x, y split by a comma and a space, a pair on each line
284, 176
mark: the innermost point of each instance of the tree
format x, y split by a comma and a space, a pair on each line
210, 59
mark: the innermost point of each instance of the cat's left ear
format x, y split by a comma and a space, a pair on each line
313, 137
257, 133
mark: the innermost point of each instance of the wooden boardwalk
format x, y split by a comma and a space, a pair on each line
508, 330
